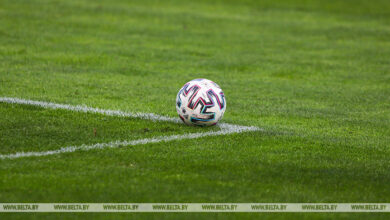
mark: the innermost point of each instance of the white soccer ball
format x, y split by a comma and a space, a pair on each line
200, 102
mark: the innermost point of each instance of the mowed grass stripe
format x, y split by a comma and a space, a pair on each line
31, 128
224, 128
117, 144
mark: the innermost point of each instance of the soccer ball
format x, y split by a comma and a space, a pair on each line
200, 102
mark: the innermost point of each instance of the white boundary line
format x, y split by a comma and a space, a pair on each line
225, 128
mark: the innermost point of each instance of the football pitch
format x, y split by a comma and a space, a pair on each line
307, 86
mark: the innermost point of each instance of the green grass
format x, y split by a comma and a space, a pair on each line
314, 74
28, 127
